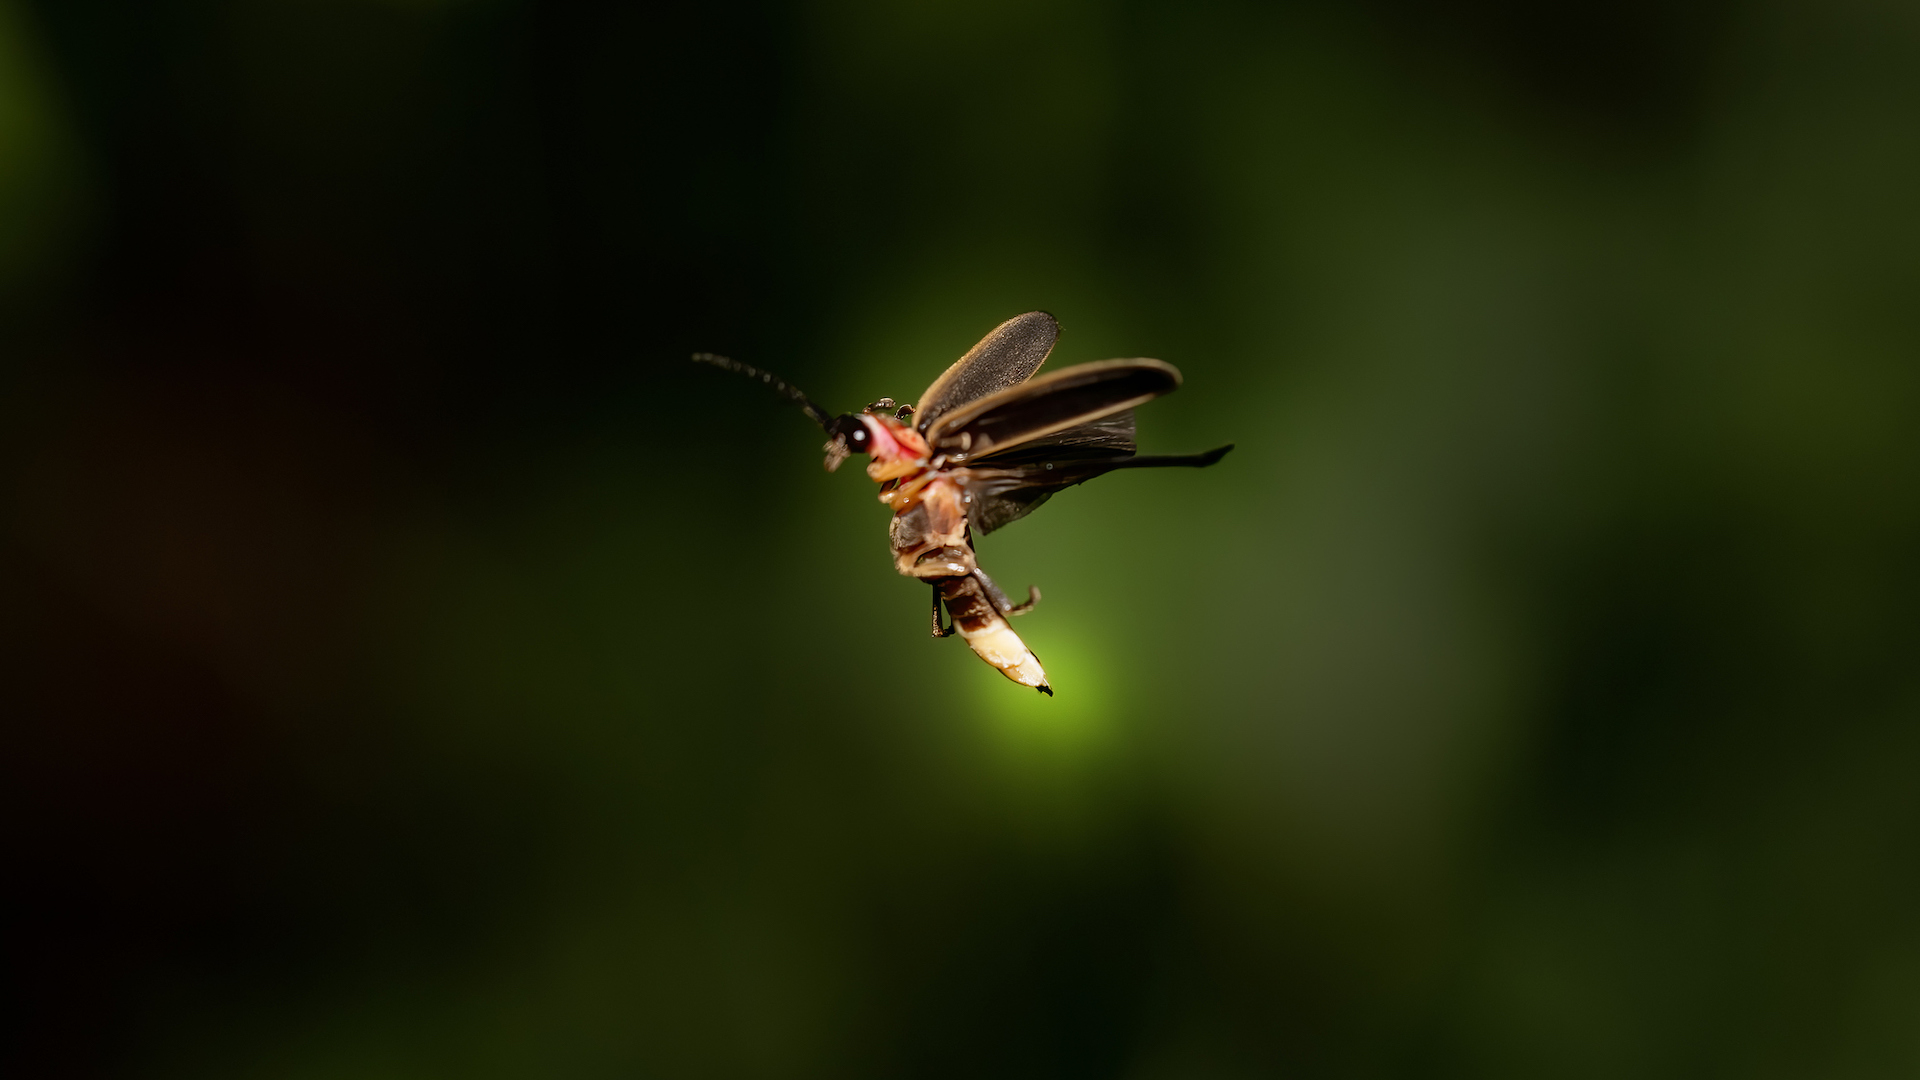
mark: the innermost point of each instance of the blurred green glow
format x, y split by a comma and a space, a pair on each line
1078, 723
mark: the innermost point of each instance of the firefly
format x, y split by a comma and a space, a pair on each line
984, 446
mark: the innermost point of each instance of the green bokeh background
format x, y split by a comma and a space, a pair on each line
414, 668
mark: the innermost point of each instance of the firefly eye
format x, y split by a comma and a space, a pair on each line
853, 431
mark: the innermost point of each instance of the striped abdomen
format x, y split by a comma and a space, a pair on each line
987, 633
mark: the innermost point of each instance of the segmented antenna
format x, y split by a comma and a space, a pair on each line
780, 385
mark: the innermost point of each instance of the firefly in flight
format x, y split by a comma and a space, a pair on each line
985, 445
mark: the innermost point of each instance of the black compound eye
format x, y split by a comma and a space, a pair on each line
853, 431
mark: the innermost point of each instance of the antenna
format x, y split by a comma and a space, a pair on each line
780, 386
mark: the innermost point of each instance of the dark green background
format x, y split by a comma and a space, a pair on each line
413, 667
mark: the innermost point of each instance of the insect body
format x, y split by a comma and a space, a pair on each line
987, 443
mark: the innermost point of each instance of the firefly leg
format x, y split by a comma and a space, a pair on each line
1006, 606
937, 631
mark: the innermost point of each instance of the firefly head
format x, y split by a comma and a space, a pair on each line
847, 434
852, 429
894, 444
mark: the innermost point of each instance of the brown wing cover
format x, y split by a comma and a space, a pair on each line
1007, 356
1048, 406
